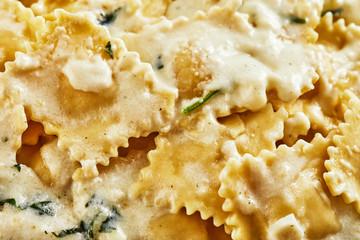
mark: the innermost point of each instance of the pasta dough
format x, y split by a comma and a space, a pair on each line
205, 119
46, 91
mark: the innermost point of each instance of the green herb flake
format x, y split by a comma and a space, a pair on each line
90, 230
197, 104
109, 18
295, 19
87, 230
70, 231
5, 139
91, 201
43, 208
107, 225
94, 200
17, 166
108, 49
159, 63
336, 11
10, 201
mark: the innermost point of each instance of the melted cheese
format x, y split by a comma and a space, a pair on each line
88, 75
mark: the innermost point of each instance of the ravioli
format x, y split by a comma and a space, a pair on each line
222, 60
178, 119
342, 165
90, 77
178, 177
253, 184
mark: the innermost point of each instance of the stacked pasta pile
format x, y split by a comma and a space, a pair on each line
228, 119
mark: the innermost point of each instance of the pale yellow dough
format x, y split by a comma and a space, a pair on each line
180, 119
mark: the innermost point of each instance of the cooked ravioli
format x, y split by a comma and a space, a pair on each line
122, 88
178, 119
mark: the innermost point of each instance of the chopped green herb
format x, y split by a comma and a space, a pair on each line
94, 200
107, 225
109, 18
336, 11
80, 229
108, 49
5, 139
10, 201
90, 230
295, 19
199, 103
43, 208
86, 229
91, 201
159, 63
17, 166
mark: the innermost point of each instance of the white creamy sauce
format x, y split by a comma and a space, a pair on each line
129, 22
261, 14
188, 8
248, 48
244, 63
24, 221
88, 75
285, 228
25, 62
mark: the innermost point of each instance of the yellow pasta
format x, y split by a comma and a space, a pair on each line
266, 188
181, 175
19, 27
13, 123
262, 130
179, 119
57, 85
343, 171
